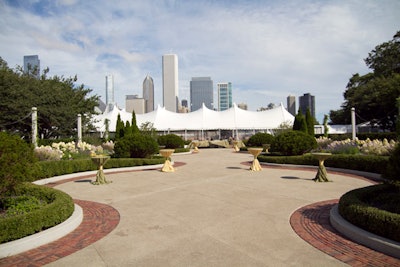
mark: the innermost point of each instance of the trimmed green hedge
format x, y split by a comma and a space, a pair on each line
356, 208
46, 169
367, 163
59, 208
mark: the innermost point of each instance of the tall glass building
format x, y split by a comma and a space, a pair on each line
170, 82
201, 91
291, 104
224, 96
307, 101
148, 93
32, 65
109, 91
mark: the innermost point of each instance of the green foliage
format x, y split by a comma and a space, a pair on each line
16, 159
374, 95
135, 128
393, 168
363, 208
326, 129
119, 128
374, 164
300, 123
171, 141
57, 99
20, 205
128, 129
259, 139
147, 128
293, 143
309, 122
135, 146
59, 207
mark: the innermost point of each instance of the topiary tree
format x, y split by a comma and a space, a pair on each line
309, 122
259, 139
300, 123
119, 128
135, 128
393, 167
171, 141
135, 146
16, 162
293, 143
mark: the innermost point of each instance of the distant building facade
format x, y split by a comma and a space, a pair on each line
134, 103
307, 101
242, 106
224, 96
32, 65
109, 90
291, 105
170, 82
148, 94
201, 91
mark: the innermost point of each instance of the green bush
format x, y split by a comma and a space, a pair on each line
361, 207
58, 206
135, 146
393, 168
171, 141
293, 143
375, 164
16, 160
260, 139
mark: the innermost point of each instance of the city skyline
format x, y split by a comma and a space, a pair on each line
267, 49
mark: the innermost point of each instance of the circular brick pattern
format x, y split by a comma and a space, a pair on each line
98, 220
312, 224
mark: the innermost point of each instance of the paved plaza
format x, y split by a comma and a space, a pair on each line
212, 211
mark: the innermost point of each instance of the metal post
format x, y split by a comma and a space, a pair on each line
79, 128
353, 123
34, 127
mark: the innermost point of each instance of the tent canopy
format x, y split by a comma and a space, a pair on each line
202, 119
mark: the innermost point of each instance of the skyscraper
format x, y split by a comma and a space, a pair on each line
148, 93
170, 82
201, 91
291, 104
109, 90
307, 101
32, 65
224, 96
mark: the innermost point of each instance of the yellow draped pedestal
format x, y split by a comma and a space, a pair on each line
100, 177
166, 153
322, 175
235, 146
195, 144
255, 166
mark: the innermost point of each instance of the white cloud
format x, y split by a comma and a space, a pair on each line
267, 49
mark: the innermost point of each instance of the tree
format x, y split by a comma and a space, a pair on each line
300, 123
309, 122
57, 99
119, 128
326, 129
135, 128
374, 94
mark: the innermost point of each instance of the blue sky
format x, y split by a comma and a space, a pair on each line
267, 49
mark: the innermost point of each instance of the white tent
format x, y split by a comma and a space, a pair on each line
201, 119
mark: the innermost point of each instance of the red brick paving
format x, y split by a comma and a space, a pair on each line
98, 220
312, 224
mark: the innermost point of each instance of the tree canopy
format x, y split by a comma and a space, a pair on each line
374, 94
57, 99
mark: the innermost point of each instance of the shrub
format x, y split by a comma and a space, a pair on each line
393, 167
171, 141
259, 139
16, 160
135, 146
57, 207
358, 207
293, 143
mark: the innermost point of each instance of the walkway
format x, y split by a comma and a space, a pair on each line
211, 212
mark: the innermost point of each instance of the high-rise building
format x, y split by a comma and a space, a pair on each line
134, 103
224, 96
32, 65
307, 101
291, 104
148, 93
201, 91
110, 91
170, 82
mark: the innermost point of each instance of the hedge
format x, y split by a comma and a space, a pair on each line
354, 207
367, 163
59, 208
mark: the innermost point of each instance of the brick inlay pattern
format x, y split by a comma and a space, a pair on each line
98, 220
312, 224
